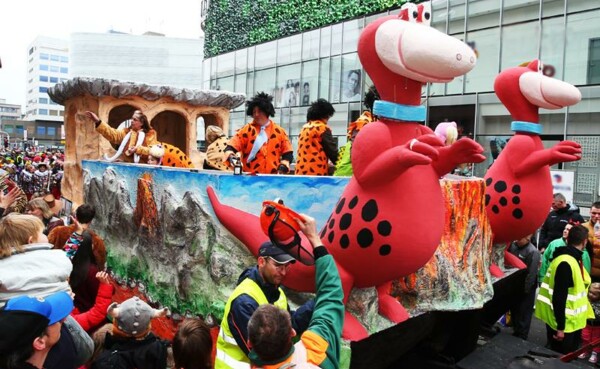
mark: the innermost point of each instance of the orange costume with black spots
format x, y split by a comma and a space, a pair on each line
315, 147
175, 158
269, 156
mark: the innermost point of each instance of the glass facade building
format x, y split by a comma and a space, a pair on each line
563, 34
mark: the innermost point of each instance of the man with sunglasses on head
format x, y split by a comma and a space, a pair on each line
257, 286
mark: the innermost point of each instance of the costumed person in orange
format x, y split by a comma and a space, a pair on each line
135, 142
344, 162
316, 146
263, 146
216, 142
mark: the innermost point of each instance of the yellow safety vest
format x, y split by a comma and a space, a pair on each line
578, 308
229, 355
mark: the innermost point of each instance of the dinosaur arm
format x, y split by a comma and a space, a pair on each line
464, 150
564, 151
392, 161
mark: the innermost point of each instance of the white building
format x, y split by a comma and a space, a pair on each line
150, 58
48, 64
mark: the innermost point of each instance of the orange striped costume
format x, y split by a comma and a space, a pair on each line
315, 146
268, 158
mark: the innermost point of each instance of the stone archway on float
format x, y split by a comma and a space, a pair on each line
172, 111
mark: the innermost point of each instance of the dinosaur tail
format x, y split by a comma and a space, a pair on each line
246, 228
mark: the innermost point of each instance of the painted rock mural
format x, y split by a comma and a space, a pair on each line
165, 242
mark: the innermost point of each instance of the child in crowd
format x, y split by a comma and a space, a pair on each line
28, 265
193, 345
131, 344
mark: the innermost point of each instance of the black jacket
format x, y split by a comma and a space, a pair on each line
555, 224
129, 353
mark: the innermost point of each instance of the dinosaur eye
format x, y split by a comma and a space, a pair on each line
540, 66
415, 14
427, 15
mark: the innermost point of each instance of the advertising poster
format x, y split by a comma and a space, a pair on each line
563, 181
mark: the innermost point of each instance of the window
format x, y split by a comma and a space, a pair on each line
53, 68
225, 64
54, 58
43, 100
43, 67
8, 128
485, 42
44, 56
336, 39
54, 79
517, 49
352, 30
553, 30
43, 78
582, 30
40, 131
64, 59
53, 113
265, 55
20, 130
310, 82
310, 45
594, 62
51, 131
287, 91
64, 70
43, 111
43, 89
241, 62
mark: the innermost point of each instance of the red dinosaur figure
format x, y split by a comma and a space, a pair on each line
397, 165
519, 189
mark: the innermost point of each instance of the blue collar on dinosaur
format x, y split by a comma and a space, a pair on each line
528, 127
406, 113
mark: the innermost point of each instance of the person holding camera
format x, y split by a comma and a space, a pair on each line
262, 145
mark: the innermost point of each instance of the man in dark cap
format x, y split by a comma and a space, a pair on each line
257, 285
30, 326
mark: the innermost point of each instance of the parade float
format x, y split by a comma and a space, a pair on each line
414, 245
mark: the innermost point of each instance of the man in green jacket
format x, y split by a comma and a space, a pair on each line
270, 330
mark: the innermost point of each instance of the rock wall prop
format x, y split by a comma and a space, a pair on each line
161, 234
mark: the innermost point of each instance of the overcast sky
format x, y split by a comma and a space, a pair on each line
21, 21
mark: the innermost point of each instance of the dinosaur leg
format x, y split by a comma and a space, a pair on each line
513, 261
353, 330
389, 307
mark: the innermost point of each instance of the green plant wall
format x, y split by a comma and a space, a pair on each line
236, 24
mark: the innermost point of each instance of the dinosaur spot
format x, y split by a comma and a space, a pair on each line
369, 211
503, 201
385, 250
487, 199
331, 223
488, 181
516, 189
345, 221
344, 241
364, 238
353, 202
384, 228
330, 237
500, 186
495, 209
518, 213
340, 205
516, 200
322, 234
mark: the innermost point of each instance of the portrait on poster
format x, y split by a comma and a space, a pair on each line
351, 85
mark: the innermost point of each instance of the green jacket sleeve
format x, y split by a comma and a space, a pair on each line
328, 317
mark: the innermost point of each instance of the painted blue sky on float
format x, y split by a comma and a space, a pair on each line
315, 196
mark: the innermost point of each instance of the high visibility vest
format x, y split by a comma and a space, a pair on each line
229, 355
578, 308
